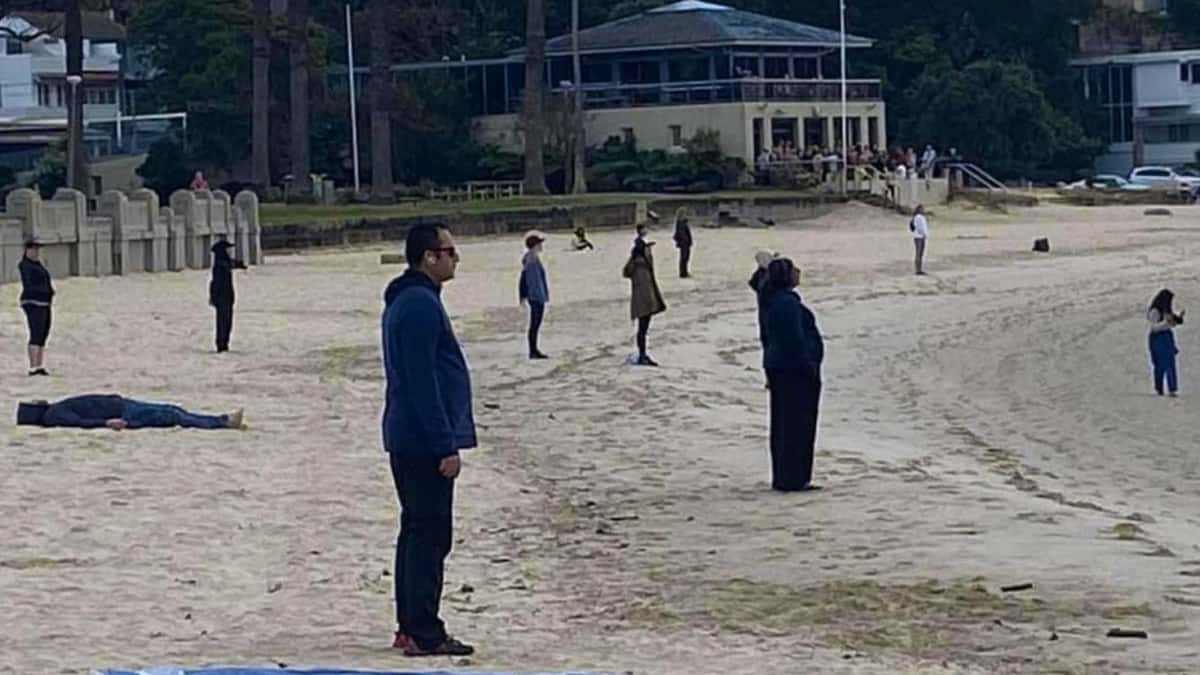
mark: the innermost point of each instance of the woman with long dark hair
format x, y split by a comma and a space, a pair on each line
1163, 320
792, 354
645, 298
37, 294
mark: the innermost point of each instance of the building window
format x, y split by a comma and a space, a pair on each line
806, 69
676, 135
1111, 87
12, 46
873, 132
1184, 73
1195, 73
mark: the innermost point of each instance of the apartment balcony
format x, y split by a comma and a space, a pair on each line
743, 90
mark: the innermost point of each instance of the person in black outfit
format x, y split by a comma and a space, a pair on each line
683, 240
37, 294
96, 411
220, 291
792, 354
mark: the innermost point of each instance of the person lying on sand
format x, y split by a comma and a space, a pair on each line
95, 411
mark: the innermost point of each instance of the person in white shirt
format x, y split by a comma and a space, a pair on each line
919, 227
927, 161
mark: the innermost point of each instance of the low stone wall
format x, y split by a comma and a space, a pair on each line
126, 233
749, 209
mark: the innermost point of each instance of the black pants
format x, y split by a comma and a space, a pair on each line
38, 318
795, 399
224, 326
426, 522
643, 329
685, 256
537, 311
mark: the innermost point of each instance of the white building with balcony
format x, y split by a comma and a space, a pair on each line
662, 75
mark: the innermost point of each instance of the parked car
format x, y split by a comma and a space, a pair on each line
1164, 177
1107, 181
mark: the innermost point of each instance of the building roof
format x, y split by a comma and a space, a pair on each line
692, 23
97, 26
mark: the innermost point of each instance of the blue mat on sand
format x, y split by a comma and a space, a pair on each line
233, 670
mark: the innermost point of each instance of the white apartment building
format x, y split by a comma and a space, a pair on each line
33, 67
1151, 102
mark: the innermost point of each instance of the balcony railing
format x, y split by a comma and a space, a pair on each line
750, 90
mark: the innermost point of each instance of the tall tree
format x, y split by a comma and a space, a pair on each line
76, 157
261, 99
383, 95
298, 68
534, 114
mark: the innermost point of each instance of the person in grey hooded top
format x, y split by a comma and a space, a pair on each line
534, 289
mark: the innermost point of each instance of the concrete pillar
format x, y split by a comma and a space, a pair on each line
192, 209
12, 247
25, 205
69, 208
114, 205
221, 214
177, 239
247, 208
145, 202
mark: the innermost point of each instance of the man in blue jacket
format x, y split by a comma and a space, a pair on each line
427, 419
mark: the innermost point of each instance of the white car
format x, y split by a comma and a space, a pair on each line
1164, 177
1107, 181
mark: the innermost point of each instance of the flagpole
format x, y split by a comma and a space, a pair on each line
845, 121
353, 98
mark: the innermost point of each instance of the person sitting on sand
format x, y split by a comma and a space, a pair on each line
95, 411
581, 243
1163, 320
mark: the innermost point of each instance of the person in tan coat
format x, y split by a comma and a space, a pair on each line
645, 298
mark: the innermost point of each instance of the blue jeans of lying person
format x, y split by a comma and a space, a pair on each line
142, 415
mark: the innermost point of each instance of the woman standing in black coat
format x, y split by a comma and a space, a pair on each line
37, 294
220, 291
683, 241
792, 354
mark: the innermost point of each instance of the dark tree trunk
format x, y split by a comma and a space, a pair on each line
261, 122
76, 153
298, 64
534, 113
382, 96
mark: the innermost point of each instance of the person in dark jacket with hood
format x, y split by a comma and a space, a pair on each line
646, 299
683, 241
220, 291
427, 420
37, 294
96, 411
534, 289
792, 354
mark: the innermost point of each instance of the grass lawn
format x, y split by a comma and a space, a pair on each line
276, 214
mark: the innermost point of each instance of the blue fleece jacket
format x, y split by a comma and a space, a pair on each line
791, 339
428, 401
533, 286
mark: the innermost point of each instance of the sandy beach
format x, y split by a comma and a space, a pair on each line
988, 425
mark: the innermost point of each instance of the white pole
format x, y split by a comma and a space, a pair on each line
353, 99
845, 122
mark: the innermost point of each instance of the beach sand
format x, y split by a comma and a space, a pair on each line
990, 424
